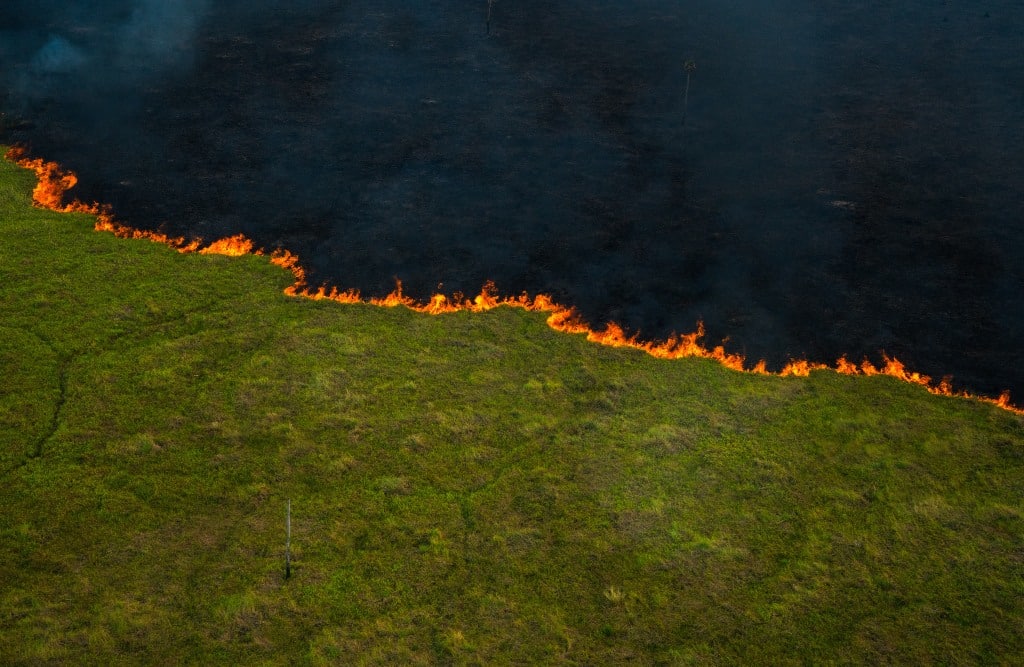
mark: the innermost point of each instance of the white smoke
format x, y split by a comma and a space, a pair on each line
161, 33
58, 56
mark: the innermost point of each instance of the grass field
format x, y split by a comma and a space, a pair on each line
465, 488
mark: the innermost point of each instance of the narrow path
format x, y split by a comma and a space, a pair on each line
58, 408
63, 363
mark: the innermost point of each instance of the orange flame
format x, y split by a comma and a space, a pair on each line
55, 182
232, 246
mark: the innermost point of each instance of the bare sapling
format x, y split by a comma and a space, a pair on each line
288, 542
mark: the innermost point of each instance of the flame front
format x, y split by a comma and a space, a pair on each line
232, 246
54, 183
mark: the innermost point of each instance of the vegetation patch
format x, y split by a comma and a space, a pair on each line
469, 488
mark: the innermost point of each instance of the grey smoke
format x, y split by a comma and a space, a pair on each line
103, 47
161, 33
57, 56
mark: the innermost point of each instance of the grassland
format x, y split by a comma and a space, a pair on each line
466, 488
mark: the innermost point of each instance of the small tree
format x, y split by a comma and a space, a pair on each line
490, 5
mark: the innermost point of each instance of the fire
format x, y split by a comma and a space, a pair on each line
232, 246
802, 368
844, 367
53, 184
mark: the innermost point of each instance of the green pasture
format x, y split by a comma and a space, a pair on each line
465, 488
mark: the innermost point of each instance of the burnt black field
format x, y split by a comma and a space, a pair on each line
842, 177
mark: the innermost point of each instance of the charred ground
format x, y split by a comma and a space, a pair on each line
848, 180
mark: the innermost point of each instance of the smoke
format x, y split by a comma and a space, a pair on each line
57, 56
52, 51
160, 34
847, 180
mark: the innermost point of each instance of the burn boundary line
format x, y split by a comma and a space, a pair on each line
53, 182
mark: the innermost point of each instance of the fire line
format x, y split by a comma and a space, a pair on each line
54, 182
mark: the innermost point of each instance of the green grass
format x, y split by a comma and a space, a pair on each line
466, 489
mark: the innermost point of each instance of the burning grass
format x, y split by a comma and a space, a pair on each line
53, 183
475, 488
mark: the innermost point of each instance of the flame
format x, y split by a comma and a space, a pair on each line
54, 182
801, 368
232, 246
